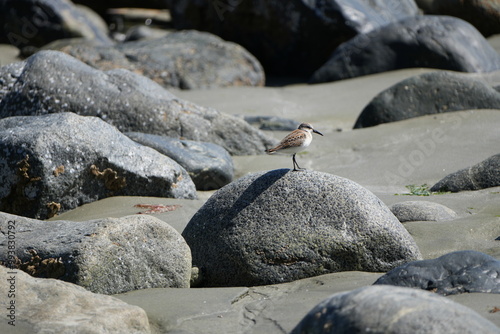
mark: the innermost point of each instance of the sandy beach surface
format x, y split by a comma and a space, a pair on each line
384, 159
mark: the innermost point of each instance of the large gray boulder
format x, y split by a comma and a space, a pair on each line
279, 226
485, 174
209, 165
34, 23
422, 211
426, 94
56, 162
453, 273
52, 82
109, 256
52, 306
293, 37
186, 60
422, 41
392, 310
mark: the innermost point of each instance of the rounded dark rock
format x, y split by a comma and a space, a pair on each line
426, 94
458, 272
391, 310
485, 174
422, 41
279, 226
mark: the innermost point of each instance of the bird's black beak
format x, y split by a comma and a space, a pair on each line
316, 131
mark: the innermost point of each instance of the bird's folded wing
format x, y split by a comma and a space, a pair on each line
292, 139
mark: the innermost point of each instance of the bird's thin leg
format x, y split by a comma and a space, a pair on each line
296, 166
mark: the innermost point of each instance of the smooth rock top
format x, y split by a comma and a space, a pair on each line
391, 310
56, 162
280, 226
52, 82
52, 306
426, 94
453, 273
422, 210
429, 41
485, 174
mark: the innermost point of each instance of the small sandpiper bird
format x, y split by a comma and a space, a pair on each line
295, 141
